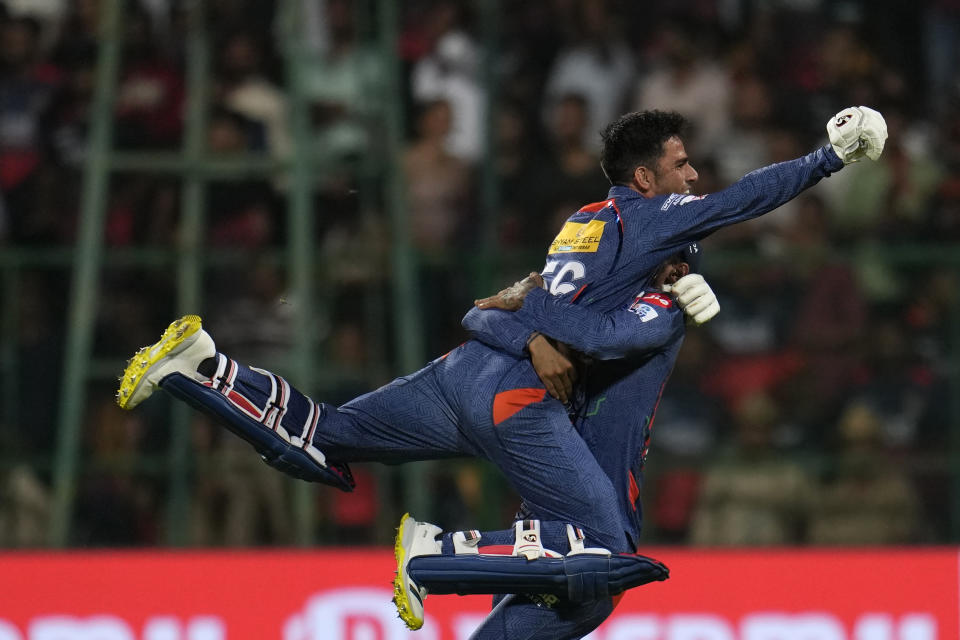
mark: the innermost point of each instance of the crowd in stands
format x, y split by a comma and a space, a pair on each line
815, 409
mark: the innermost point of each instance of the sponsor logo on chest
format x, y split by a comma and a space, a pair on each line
578, 237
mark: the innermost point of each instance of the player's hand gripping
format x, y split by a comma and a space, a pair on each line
695, 297
856, 132
552, 365
511, 298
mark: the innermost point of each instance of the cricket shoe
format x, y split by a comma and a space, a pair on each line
413, 539
181, 349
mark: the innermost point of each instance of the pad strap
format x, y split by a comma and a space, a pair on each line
575, 537
466, 542
528, 543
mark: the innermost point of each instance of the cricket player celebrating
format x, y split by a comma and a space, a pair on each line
480, 400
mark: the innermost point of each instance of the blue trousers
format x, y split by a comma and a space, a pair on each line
475, 401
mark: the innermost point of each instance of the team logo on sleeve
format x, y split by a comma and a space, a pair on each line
578, 237
645, 311
657, 299
678, 199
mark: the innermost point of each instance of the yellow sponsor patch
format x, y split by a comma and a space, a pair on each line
578, 237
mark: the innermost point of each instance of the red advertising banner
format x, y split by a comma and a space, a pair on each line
338, 594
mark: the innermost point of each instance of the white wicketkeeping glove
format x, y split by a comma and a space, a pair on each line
856, 132
695, 297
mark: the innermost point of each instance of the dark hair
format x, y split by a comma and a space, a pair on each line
636, 139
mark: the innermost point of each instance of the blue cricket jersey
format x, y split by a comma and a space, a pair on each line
598, 269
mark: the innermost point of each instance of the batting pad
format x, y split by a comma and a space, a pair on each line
271, 445
579, 578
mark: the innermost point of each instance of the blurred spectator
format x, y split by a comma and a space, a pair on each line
439, 185
41, 309
349, 355
684, 428
24, 509
842, 68
116, 505
238, 499
743, 146
751, 334
450, 73
353, 515
941, 39
68, 118
527, 45
78, 34
867, 499
887, 199
682, 78
752, 494
255, 320
597, 65
27, 86
143, 211
566, 174
828, 321
901, 387
943, 218
150, 96
514, 152
439, 192
343, 81
245, 90
242, 212
4, 221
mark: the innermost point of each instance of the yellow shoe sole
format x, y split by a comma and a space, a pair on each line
401, 595
138, 366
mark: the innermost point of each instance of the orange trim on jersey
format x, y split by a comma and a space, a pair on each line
507, 403
444, 356
594, 207
634, 490
617, 598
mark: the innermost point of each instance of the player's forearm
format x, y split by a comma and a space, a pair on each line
599, 335
499, 329
755, 194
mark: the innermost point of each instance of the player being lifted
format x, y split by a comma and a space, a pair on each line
482, 401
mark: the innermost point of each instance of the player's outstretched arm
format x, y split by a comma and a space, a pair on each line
855, 133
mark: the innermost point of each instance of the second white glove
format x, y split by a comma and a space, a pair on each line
856, 132
696, 298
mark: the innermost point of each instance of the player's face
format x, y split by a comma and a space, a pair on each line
674, 172
669, 273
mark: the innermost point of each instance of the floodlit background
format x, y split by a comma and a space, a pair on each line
330, 184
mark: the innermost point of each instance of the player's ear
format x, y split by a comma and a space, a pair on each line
683, 269
642, 176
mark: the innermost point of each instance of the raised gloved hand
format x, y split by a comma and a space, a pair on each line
856, 132
695, 297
